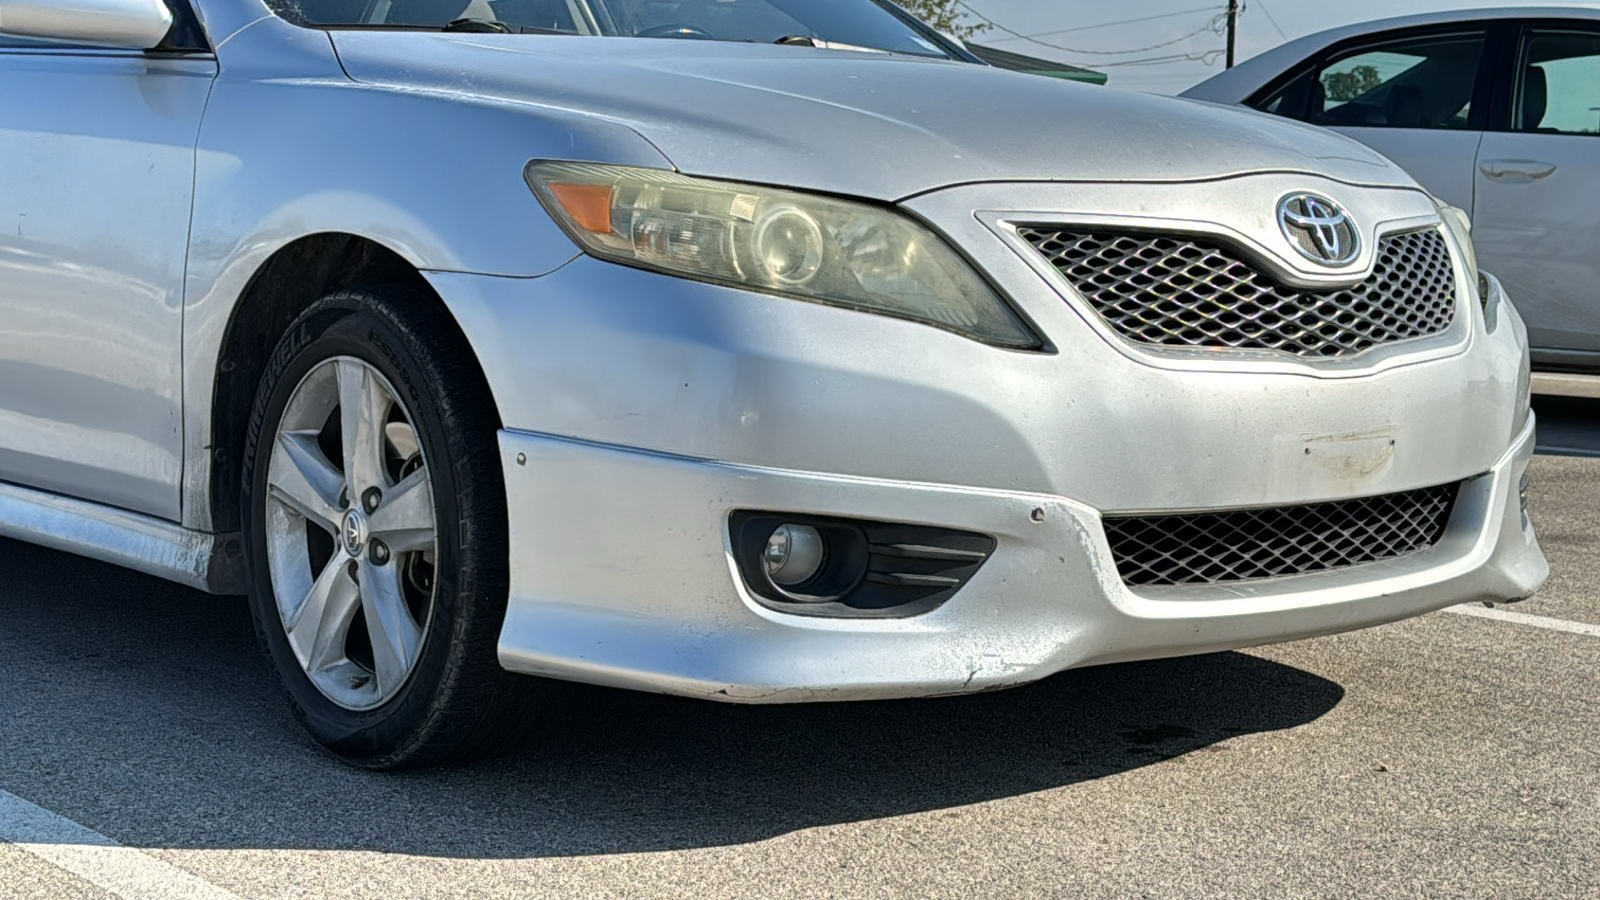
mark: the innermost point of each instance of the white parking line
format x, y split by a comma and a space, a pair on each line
124, 871
1545, 622
1563, 385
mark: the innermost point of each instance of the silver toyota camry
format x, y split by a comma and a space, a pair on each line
755, 350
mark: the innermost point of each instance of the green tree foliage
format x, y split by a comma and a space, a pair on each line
1346, 86
944, 15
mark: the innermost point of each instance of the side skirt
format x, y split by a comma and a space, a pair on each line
209, 562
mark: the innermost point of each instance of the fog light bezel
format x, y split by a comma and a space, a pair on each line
871, 569
844, 558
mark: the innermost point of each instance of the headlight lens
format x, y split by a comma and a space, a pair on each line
1459, 224
821, 249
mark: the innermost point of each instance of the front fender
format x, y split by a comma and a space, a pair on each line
291, 147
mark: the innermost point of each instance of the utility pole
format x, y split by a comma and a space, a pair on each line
1233, 28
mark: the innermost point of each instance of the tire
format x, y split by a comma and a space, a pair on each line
423, 687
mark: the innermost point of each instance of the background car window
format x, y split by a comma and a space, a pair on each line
1559, 91
1425, 82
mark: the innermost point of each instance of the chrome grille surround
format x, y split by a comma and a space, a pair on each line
1242, 545
1186, 291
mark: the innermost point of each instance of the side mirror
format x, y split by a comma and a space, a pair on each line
118, 24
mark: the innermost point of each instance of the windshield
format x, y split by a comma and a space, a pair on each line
857, 24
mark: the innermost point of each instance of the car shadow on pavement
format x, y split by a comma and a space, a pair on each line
144, 711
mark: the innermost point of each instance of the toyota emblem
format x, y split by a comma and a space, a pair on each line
1320, 229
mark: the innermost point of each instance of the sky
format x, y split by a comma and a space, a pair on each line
1084, 28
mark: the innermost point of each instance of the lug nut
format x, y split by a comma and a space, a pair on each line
379, 553
371, 499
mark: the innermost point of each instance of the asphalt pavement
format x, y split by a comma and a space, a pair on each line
145, 748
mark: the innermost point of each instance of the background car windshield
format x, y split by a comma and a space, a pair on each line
862, 23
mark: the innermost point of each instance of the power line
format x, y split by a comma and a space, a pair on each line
1170, 15
1272, 20
1207, 57
1211, 25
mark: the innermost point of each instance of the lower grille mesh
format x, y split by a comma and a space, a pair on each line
1209, 548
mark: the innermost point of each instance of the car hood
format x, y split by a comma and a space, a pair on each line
862, 124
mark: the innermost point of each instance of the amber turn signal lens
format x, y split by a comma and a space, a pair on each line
589, 205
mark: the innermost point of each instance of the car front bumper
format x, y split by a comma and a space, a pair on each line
642, 410
622, 575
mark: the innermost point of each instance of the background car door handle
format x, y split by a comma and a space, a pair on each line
1517, 169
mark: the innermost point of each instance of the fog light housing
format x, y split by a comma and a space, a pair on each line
794, 555
846, 568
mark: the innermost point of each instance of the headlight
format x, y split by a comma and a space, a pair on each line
820, 249
1459, 224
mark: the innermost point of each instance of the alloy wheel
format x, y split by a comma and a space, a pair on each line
351, 533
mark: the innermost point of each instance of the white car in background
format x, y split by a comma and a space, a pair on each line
1496, 111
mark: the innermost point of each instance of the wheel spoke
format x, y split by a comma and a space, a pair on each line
404, 521
319, 625
395, 635
363, 406
301, 477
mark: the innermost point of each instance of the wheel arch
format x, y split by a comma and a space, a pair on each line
289, 281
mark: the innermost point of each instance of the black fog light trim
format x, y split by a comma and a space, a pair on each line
879, 570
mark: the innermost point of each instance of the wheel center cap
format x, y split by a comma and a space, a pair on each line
353, 532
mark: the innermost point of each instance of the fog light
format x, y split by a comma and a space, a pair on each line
794, 555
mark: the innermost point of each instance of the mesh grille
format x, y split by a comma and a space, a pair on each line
1269, 543
1177, 291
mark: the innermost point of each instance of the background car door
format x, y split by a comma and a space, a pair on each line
96, 171
1411, 99
1538, 203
